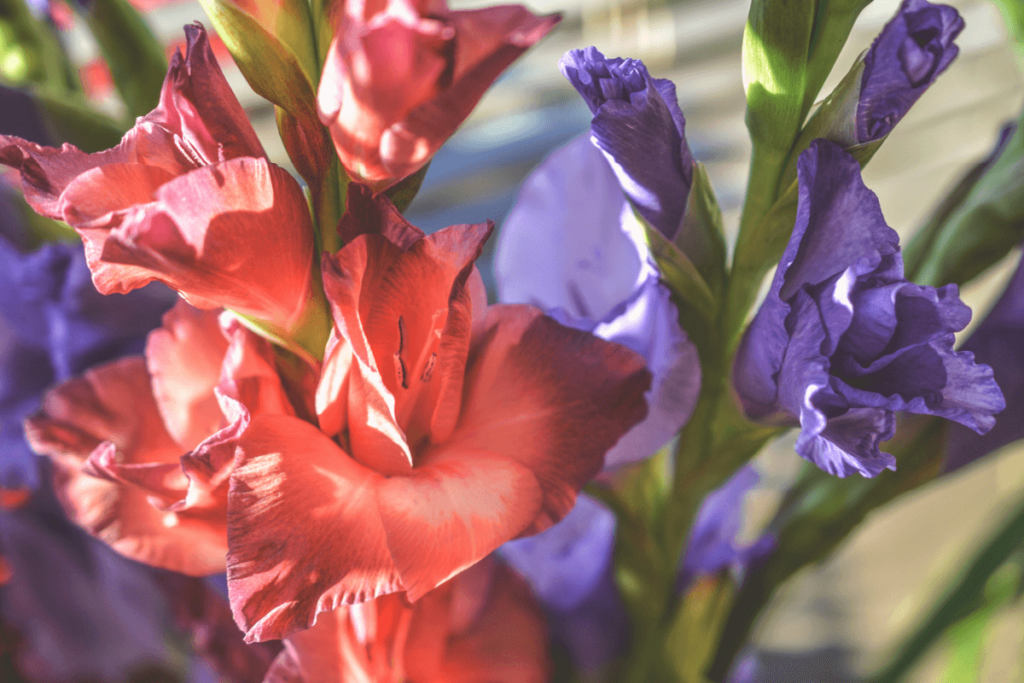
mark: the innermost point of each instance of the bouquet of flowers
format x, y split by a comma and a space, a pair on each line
212, 367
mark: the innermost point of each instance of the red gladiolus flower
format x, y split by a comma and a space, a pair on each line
402, 75
482, 625
460, 426
117, 436
188, 198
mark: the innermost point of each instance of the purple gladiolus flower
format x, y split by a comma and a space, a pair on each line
714, 546
80, 611
572, 246
641, 130
843, 341
998, 341
22, 117
570, 568
908, 55
746, 670
53, 326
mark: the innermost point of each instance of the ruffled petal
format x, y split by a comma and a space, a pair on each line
714, 544
505, 642
206, 236
649, 325
640, 133
110, 413
408, 319
839, 221
109, 188
184, 359
449, 514
996, 342
487, 41
565, 564
562, 245
913, 49
482, 625
396, 84
282, 569
549, 397
849, 443
197, 104
374, 435
369, 214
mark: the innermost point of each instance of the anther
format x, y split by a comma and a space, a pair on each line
428, 369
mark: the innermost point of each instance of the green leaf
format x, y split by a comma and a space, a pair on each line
280, 67
776, 48
835, 119
694, 631
1013, 15
134, 55
701, 235
274, 46
402, 193
989, 220
789, 48
820, 514
696, 302
310, 149
961, 598
832, 25
30, 52
73, 120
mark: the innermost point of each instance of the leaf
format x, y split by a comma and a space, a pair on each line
274, 47
961, 598
789, 48
1013, 15
701, 235
73, 120
402, 193
286, 73
693, 296
988, 222
776, 48
825, 511
134, 55
694, 631
832, 25
30, 52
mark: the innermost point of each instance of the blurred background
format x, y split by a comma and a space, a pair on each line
839, 620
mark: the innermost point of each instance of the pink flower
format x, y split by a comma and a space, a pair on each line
446, 427
188, 198
401, 75
136, 443
482, 625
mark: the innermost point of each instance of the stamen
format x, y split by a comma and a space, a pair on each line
400, 371
428, 369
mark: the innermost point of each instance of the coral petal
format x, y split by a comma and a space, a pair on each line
449, 514
289, 476
112, 408
184, 358
552, 398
